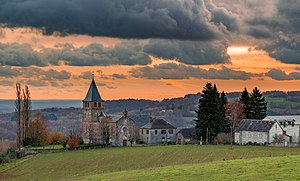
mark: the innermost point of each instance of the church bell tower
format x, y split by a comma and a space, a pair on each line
93, 110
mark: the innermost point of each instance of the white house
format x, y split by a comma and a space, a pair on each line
290, 125
259, 131
158, 131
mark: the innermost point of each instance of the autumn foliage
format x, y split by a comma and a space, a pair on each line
37, 133
73, 142
58, 138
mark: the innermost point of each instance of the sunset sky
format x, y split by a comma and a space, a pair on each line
152, 49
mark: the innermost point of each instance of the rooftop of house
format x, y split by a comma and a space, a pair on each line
254, 125
93, 93
158, 124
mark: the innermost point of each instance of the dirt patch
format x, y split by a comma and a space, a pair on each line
5, 176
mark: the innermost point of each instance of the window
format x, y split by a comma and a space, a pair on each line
99, 104
147, 132
163, 131
155, 131
87, 104
170, 131
142, 131
95, 104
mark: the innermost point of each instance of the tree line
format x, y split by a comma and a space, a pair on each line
216, 115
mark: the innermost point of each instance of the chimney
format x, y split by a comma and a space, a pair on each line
150, 119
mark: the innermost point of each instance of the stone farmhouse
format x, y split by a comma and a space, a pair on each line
290, 126
158, 131
97, 128
257, 131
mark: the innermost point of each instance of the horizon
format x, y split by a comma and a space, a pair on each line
169, 51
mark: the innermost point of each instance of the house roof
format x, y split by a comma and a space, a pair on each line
188, 132
254, 125
93, 94
158, 124
293, 118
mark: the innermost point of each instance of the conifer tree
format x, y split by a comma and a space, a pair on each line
257, 105
245, 99
210, 119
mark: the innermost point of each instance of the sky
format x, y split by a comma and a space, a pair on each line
147, 49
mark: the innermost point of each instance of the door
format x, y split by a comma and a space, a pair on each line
124, 142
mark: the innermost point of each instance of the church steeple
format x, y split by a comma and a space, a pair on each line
93, 93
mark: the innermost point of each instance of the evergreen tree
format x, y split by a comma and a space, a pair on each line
210, 119
245, 99
225, 127
257, 105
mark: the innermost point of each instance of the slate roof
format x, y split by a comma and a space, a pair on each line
93, 94
158, 124
254, 125
188, 132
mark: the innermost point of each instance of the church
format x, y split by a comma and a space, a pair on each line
98, 128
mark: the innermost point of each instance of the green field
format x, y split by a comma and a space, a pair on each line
176, 162
265, 168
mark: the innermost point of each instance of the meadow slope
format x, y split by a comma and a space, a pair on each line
81, 164
264, 168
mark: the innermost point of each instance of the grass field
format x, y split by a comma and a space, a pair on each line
73, 165
265, 168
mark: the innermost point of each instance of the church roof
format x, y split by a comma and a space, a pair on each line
93, 94
158, 124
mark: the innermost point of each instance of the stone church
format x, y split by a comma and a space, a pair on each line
98, 128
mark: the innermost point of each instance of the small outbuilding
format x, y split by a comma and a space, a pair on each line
186, 136
257, 131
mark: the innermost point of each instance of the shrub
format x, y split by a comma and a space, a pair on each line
73, 142
223, 138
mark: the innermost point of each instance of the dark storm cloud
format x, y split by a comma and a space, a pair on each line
170, 19
124, 53
175, 71
20, 55
259, 32
46, 75
285, 49
189, 52
278, 74
281, 21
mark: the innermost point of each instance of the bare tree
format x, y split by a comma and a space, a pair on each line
235, 112
26, 110
91, 134
18, 107
104, 132
132, 133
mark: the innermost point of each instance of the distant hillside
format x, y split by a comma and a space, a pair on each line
179, 111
